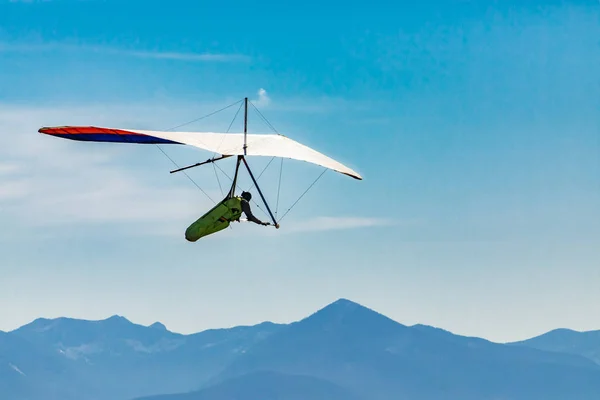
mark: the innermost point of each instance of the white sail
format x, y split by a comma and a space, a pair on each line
230, 144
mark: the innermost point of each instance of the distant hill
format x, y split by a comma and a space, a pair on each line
342, 351
265, 385
586, 344
117, 359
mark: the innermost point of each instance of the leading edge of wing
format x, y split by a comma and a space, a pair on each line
97, 134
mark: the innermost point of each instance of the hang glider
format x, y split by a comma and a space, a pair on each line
240, 145
227, 144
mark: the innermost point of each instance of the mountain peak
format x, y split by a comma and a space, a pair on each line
343, 304
344, 312
159, 326
117, 318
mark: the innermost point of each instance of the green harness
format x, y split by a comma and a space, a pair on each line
215, 220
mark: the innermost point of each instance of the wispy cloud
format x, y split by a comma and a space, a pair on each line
181, 56
315, 224
337, 223
263, 99
49, 182
158, 54
8, 168
12, 190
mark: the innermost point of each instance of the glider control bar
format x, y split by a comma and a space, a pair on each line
211, 160
260, 192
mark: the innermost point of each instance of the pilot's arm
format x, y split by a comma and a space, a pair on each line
249, 215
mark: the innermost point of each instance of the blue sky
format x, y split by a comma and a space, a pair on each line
475, 127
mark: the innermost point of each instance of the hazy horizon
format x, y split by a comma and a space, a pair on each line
258, 322
475, 127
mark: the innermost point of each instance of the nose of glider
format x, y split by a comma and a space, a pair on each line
190, 236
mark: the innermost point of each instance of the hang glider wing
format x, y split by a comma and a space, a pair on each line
230, 144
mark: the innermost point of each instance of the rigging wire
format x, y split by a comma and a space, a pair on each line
176, 165
279, 188
281, 171
266, 121
215, 166
220, 144
229, 127
237, 186
264, 118
218, 180
190, 122
194, 182
262, 172
306, 191
205, 116
274, 130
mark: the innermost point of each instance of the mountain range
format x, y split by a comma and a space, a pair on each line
343, 351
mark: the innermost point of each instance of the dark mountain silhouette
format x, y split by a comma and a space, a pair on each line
265, 385
343, 351
568, 341
379, 358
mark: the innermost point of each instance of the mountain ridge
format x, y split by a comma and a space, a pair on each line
345, 336
564, 340
339, 301
271, 385
343, 347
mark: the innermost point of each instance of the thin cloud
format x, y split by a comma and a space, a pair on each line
263, 98
316, 224
49, 182
182, 56
337, 223
13, 190
158, 55
6, 169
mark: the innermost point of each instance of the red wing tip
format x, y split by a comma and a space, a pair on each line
82, 129
52, 129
